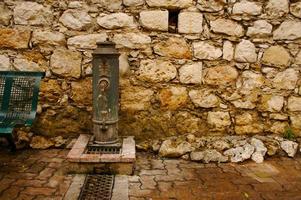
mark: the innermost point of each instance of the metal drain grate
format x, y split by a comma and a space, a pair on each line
103, 150
97, 187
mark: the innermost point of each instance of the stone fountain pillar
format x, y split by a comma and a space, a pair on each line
104, 151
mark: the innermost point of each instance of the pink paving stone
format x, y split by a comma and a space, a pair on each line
46, 173
39, 191
24, 182
10, 193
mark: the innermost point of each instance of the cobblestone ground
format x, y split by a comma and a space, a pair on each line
277, 178
38, 175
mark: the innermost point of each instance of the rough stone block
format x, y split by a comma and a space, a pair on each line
190, 22
171, 4
154, 20
32, 13
4, 63
173, 98
191, 73
173, 47
227, 27
14, 38
76, 19
156, 71
276, 56
66, 63
116, 20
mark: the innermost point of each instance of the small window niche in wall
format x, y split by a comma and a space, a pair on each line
173, 21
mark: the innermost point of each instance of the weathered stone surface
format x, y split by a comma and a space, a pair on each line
244, 103
246, 8
206, 51
156, 146
22, 64
261, 28
59, 141
133, 2
76, 19
109, 4
50, 91
288, 30
124, 65
298, 58
227, 27
211, 5
76, 4
278, 116
173, 98
257, 157
276, 56
173, 47
31, 13
156, 71
82, 92
278, 127
219, 145
68, 121
271, 103
204, 98
286, 79
251, 81
190, 22
14, 38
294, 103
86, 41
23, 139
134, 98
174, 148
295, 9
4, 63
191, 73
248, 123
241, 153
228, 50
296, 123
39, 142
219, 120
260, 150
255, 128
169, 3
289, 147
132, 40
221, 75
245, 52
187, 123
207, 156
244, 119
277, 8
190, 138
272, 145
5, 15
154, 20
116, 20
66, 63
48, 38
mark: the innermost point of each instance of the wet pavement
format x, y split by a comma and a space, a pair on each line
32, 174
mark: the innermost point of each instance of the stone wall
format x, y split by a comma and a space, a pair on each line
188, 66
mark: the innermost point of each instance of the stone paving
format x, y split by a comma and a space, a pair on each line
32, 174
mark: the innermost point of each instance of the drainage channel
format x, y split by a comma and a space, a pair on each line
92, 149
97, 187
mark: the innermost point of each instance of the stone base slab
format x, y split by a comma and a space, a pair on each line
81, 162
